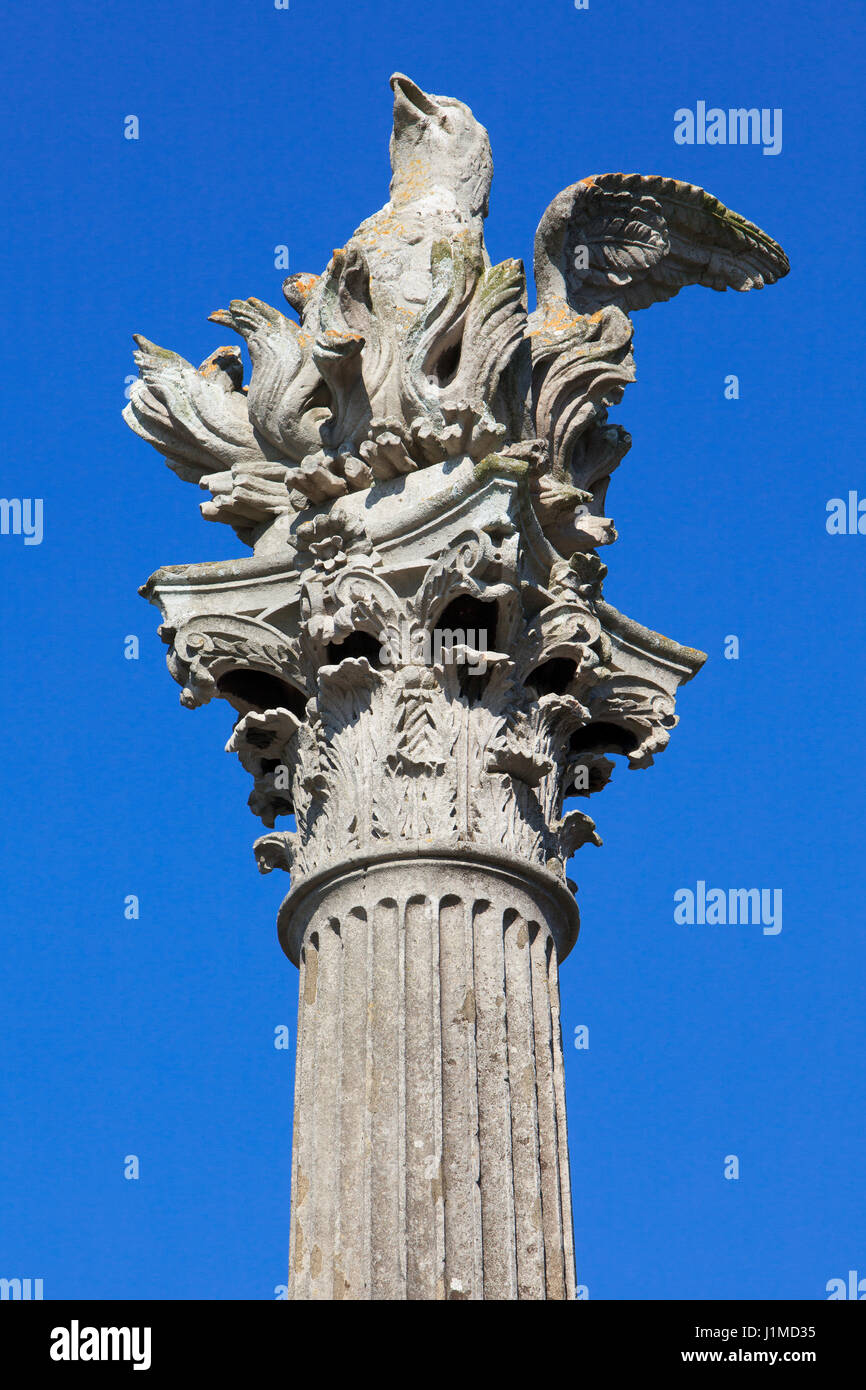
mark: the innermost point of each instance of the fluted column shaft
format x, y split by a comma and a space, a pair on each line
430, 1151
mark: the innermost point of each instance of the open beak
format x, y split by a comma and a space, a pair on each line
410, 103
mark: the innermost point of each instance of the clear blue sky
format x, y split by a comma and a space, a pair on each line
261, 127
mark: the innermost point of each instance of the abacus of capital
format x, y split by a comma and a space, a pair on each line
425, 673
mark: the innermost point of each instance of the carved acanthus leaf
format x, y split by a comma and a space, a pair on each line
198, 419
580, 366
285, 379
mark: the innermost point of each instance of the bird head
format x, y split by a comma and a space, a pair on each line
437, 143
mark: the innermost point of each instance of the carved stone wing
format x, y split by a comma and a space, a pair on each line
631, 240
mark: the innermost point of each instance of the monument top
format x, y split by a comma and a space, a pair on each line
416, 447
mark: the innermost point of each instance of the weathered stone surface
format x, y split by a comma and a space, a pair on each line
425, 670
430, 1159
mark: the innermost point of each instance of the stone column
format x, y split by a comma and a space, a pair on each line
431, 1158
425, 673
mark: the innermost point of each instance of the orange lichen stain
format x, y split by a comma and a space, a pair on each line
383, 227
414, 180
558, 320
212, 365
558, 317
